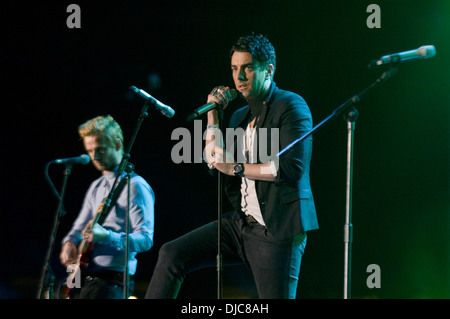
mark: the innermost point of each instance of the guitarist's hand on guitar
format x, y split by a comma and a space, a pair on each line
69, 254
95, 234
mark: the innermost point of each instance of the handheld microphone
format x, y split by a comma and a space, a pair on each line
209, 106
82, 159
424, 52
164, 109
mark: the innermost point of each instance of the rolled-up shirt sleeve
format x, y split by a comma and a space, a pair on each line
141, 218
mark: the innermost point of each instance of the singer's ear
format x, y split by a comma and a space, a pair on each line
270, 71
118, 144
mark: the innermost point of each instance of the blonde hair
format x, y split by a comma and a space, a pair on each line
105, 126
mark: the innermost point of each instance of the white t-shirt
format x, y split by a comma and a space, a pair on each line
249, 201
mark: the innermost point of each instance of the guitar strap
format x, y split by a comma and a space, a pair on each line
114, 198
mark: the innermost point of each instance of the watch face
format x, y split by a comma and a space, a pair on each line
237, 169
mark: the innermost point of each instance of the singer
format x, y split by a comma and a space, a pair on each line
273, 204
103, 278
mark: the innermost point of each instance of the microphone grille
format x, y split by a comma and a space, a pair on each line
85, 159
426, 51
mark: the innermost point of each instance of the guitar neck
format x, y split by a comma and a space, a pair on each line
84, 244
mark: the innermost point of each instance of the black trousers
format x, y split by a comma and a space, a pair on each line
275, 264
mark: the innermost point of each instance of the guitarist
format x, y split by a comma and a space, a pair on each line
103, 275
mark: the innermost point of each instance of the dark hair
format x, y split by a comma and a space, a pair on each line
259, 47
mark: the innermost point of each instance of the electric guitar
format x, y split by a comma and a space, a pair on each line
84, 255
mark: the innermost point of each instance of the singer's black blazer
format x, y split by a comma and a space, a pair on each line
287, 205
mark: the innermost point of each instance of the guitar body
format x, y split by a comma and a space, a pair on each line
79, 268
85, 257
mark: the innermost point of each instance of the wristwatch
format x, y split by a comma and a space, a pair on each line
238, 170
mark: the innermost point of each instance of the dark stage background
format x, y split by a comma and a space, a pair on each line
54, 78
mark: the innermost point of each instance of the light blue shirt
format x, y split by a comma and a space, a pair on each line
110, 255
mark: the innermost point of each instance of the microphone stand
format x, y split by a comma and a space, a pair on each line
219, 223
128, 167
126, 276
212, 172
47, 279
351, 117
350, 114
